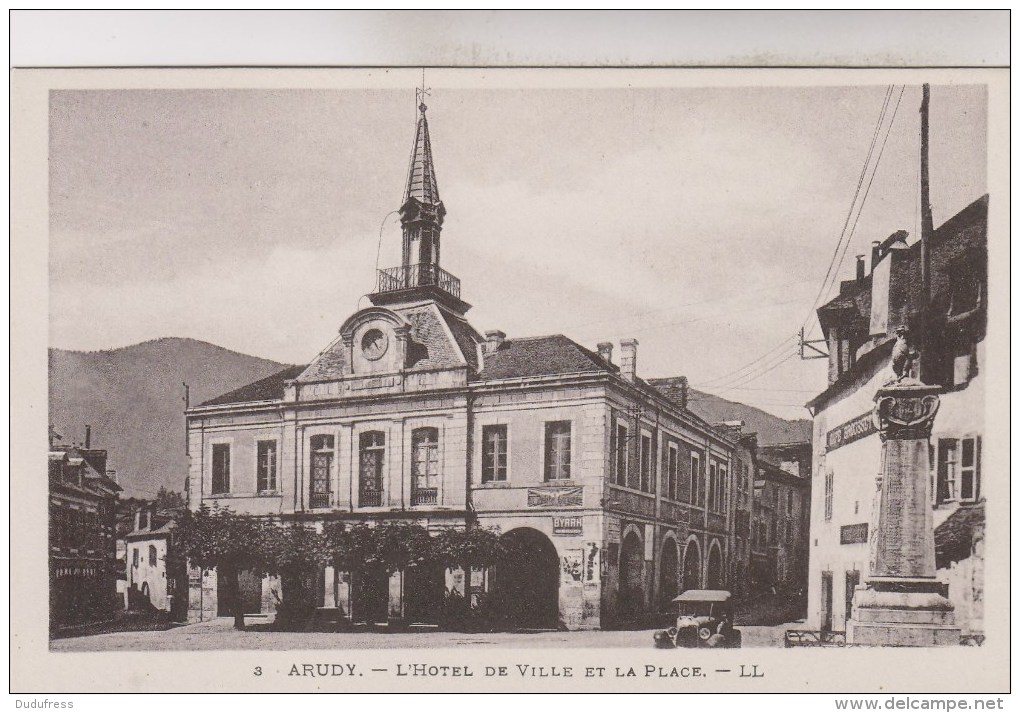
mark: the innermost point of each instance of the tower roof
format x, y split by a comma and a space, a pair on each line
421, 176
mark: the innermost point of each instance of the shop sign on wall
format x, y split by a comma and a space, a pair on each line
853, 534
853, 430
567, 525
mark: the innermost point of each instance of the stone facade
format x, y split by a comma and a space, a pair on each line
848, 453
621, 496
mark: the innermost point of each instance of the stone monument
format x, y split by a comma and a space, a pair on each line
902, 604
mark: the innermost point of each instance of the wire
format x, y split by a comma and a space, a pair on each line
724, 377
871, 180
758, 375
860, 180
726, 297
736, 377
763, 368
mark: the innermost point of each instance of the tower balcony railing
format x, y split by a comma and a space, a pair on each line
405, 277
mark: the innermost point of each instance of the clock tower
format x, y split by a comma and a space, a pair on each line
421, 218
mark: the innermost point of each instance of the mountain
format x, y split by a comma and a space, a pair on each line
769, 427
133, 398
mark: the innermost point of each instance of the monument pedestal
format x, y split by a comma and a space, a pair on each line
901, 611
902, 603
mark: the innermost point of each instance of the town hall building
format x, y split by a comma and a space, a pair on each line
619, 495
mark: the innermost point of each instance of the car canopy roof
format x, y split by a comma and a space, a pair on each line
704, 595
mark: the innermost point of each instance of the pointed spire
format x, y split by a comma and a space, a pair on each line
421, 177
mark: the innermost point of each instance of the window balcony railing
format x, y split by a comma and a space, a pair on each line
404, 277
424, 496
319, 500
370, 498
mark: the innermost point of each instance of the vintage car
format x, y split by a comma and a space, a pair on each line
704, 618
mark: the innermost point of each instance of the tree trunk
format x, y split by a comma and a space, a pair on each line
237, 607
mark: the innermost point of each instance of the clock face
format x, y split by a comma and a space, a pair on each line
373, 344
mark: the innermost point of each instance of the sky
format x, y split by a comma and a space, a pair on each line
700, 221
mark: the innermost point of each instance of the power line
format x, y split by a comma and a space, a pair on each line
733, 375
860, 181
758, 374
726, 376
871, 180
720, 298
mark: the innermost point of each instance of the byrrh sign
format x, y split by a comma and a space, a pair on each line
853, 430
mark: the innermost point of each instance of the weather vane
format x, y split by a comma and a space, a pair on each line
422, 92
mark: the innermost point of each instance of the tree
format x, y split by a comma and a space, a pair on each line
399, 545
477, 547
297, 552
220, 539
168, 499
467, 548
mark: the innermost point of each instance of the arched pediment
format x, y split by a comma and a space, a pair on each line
371, 314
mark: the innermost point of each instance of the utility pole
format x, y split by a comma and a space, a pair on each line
927, 231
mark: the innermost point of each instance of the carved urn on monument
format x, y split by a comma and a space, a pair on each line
902, 604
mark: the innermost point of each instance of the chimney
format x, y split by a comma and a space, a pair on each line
138, 519
860, 268
493, 340
876, 253
606, 352
112, 475
88, 436
628, 358
684, 392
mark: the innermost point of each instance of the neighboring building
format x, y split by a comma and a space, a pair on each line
153, 580
82, 536
745, 465
793, 484
622, 496
771, 503
779, 529
860, 326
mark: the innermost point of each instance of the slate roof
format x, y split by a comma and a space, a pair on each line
421, 178
329, 364
954, 538
266, 389
429, 346
466, 336
540, 356
965, 231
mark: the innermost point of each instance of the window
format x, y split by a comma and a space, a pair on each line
152, 555
646, 463
672, 472
372, 460
424, 460
266, 466
621, 448
723, 489
697, 496
713, 486
220, 468
134, 556
322, 447
958, 477
494, 453
557, 450
828, 495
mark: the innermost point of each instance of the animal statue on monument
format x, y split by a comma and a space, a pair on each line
904, 356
